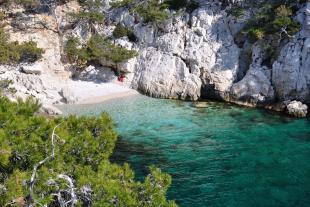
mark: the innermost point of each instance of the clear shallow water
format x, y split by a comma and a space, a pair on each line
222, 155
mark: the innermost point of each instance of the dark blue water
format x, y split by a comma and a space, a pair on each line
222, 155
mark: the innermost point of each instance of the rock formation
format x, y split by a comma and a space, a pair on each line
190, 56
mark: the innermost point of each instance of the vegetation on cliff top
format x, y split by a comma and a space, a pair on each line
65, 162
271, 24
13, 52
155, 11
97, 49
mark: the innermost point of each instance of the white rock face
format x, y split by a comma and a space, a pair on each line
165, 76
210, 46
188, 57
97, 74
255, 88
32, 69
297, 108
186, 53
291, 72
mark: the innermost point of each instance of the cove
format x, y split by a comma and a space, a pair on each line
221, 155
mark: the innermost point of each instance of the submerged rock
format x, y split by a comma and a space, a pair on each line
200, 104
297, 109
50, 110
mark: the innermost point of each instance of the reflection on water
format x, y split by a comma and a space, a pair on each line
222, 155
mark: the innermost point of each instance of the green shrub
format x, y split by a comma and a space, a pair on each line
100, 47
152, 11
255, 34
71, 47
96, 49
123, 3
29, 5
13, 52
82, 147
189, 6
236, 11
90, 16
29, 52
121, 31
271, 19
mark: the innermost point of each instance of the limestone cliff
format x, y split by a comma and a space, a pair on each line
191, 55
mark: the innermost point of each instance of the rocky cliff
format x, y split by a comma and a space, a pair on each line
191, 55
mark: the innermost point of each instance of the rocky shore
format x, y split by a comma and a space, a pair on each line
190, 56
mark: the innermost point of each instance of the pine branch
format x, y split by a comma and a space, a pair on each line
39, 164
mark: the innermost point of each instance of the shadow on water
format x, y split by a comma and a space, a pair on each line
219, 155
138, 155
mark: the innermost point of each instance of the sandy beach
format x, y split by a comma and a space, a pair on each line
89, 92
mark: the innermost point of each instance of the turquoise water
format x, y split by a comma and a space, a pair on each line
222, 155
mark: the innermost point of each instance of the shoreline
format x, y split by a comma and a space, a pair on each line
103, 98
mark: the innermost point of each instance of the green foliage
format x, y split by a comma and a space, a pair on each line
155, 11
255, 34
82, 148
121, 31
152, 11
90, 16
123, 3
90, 12
5, 86
236, 11
271, 23
12, 52
271, 19
188, 5
29, 52
96, 49
29, 5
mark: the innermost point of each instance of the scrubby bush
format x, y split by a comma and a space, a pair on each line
29, 52
13, 52
272, 19
121, 31
89, 16
123, 3
152, 11
65, 162
188, 5
90, 11
155, 11
255, 34
96, 49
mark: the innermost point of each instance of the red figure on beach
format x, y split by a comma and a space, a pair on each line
121, 78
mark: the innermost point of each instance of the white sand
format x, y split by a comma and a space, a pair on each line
89, 92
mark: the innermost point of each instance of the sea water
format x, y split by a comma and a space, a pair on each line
220, 155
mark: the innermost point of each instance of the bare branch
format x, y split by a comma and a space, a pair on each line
71, 189
39, 164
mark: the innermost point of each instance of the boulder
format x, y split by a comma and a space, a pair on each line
50, 110
164, 75
68, 96
96, 74
255, 88
32, 69
297, 109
